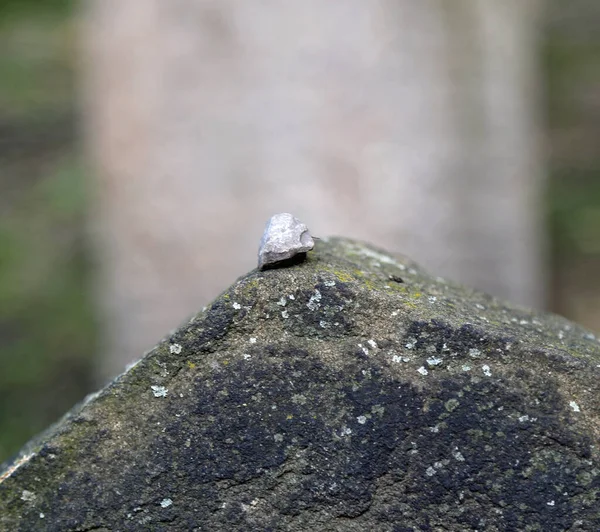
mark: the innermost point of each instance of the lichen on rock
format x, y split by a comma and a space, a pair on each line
349, 392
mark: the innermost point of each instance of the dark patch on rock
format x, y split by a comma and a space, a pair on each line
427, 407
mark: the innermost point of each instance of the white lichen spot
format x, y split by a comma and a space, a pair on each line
285, 314
479, 306
524, 418
561, 335
397, 358
346, 431
252, 340
378, 409
278, 437
474, 353
550, 503
395, 313
523, 322
466, 368
282, 302
324, 325
486, 370
458, 455
432, 299
159, 391
422, 370
175, 348
313, 302
299, 399
364, 349
434, 361
435, 429
379, 257
361, 419
430, 471
42, 515
247, 356
236, 305
410, 344
165, 503
329, 283
574, 406
372, 343
28, 496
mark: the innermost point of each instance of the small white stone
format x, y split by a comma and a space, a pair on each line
165, 503
574, 406
285, 314
434, 361
252, 340
236, 306
422, 370
372, 343
486, 370
282, 302
361, 419
285, 237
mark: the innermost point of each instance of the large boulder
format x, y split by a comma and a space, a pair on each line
350, 392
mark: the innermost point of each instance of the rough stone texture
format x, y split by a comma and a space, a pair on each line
285, 237
350, 392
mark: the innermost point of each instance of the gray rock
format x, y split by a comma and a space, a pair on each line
332, 396
285, 238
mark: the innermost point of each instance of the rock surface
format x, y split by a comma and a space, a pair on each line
350, 392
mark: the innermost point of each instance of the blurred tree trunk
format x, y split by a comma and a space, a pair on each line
408, 124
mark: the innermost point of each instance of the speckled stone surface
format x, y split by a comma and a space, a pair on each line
351, 392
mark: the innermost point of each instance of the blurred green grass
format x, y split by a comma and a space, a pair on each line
47, 324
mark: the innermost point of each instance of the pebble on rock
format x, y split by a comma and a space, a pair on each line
285, 238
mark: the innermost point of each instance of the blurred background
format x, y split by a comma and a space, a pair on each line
144, 144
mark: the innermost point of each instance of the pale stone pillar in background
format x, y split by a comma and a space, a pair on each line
412, 125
